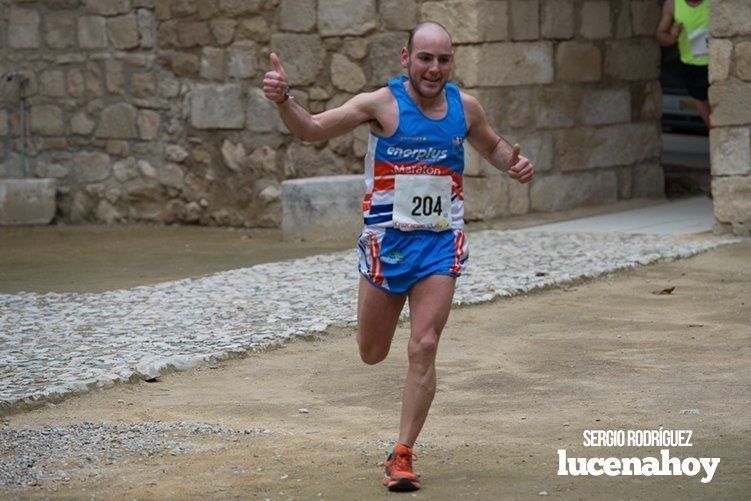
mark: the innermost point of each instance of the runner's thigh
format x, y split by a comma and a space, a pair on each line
377, 314
430, 303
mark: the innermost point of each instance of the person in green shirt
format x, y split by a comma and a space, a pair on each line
686, 22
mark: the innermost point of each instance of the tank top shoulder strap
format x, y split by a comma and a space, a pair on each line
397, 88
456, 108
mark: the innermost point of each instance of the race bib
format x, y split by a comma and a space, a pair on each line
699, 41
422, 202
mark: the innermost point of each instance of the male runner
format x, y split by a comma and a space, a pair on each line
413, 246
686, 22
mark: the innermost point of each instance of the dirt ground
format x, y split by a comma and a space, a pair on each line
518, 379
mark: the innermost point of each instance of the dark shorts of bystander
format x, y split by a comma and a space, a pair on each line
696, 80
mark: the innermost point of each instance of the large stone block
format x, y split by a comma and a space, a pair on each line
731, 102
467, 65
343, 17
302, 56
223, 30
519, 63
486, 197
623, 19
383, 61
60, 31
23, 28
310, 212
240, 7
558, 106
123, 32
595, 20
578, 62
729, 18
52, 83
518, 195
92, 167
743, 60
92, 33
114, 76
212, 63
637, 59
217, 106
81, 125
470, 21
732, 202
606, 106
47, 120
108, 7
262, 113
346, 75
27, 201
525, 19
558, 19
651, 101
146, 28
559, 192
730, 151
624, 144
297, 15
720, 56
193, 34
242, 59
148, 125
303, 160
398, 14
648, 180
118, 121
645, 14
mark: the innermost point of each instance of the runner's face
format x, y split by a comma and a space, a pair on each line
430, 63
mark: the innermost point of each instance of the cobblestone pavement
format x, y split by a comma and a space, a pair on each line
53, 345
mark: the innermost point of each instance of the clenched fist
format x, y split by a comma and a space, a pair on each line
675, 30
520, 168
275, 82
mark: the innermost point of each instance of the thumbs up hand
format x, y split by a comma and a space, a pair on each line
275, 82
519, 167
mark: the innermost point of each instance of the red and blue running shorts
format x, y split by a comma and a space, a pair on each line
394, 260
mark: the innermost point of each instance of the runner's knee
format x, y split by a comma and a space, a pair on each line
423, 350
371, 353
372, 356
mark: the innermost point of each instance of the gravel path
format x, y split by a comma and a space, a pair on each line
34, 456
54, 345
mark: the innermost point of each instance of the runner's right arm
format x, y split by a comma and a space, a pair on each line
322, 126
667, 32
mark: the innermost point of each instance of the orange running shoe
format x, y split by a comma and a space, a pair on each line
399, 475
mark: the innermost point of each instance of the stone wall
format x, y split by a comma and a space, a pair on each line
151, 110
730, 97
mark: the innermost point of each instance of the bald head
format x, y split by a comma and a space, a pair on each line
427, 29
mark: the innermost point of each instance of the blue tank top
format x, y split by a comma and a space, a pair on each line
420, 146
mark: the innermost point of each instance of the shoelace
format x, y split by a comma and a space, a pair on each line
404, 461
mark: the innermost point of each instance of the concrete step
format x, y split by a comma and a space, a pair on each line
27, 201
322, 208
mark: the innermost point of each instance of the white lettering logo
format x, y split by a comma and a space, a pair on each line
648, 466
417, 153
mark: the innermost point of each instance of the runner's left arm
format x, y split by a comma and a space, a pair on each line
488, 143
